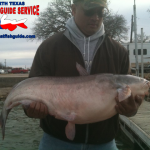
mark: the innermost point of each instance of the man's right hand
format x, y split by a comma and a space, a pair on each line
36, 110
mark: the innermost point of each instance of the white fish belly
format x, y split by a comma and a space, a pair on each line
98, 105
89, 103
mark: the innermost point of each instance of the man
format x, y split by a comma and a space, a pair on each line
84, 41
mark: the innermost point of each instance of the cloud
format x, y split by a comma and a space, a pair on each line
20, 52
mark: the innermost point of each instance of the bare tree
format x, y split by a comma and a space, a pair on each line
1, 66
145, 38
54, 18
115, 26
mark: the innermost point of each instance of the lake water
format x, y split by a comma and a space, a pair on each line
23, 133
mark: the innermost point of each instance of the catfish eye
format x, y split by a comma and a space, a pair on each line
141, 79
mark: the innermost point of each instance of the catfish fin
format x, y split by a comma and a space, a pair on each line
68, 117
70, 130
124, 93
25, 103
81, 70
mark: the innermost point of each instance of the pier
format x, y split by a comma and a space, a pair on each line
137, 128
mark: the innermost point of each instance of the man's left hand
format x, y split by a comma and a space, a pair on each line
129, 106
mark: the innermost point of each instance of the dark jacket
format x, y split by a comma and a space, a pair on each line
57, 56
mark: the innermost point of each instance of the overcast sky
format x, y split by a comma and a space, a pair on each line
20, 52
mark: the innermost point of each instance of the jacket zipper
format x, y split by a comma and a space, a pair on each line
96, 52
87, 126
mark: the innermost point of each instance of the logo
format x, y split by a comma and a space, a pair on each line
11, 24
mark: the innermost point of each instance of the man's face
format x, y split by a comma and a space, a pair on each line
88, 21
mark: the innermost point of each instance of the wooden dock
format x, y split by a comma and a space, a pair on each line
137, 128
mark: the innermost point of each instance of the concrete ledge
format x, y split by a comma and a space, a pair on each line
134, 132
10, 81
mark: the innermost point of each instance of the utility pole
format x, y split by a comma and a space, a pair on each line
142, 52
5, 64
131, 28
135, 36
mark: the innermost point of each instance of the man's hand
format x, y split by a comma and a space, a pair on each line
36, 110
129, 107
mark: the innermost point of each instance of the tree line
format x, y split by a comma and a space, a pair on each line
3, 66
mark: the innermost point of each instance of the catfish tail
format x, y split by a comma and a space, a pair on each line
3, 118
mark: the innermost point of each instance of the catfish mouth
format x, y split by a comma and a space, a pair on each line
147, 83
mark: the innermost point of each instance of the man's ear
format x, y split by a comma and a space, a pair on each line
73, 7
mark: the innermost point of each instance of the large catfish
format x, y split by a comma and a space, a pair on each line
78, 100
